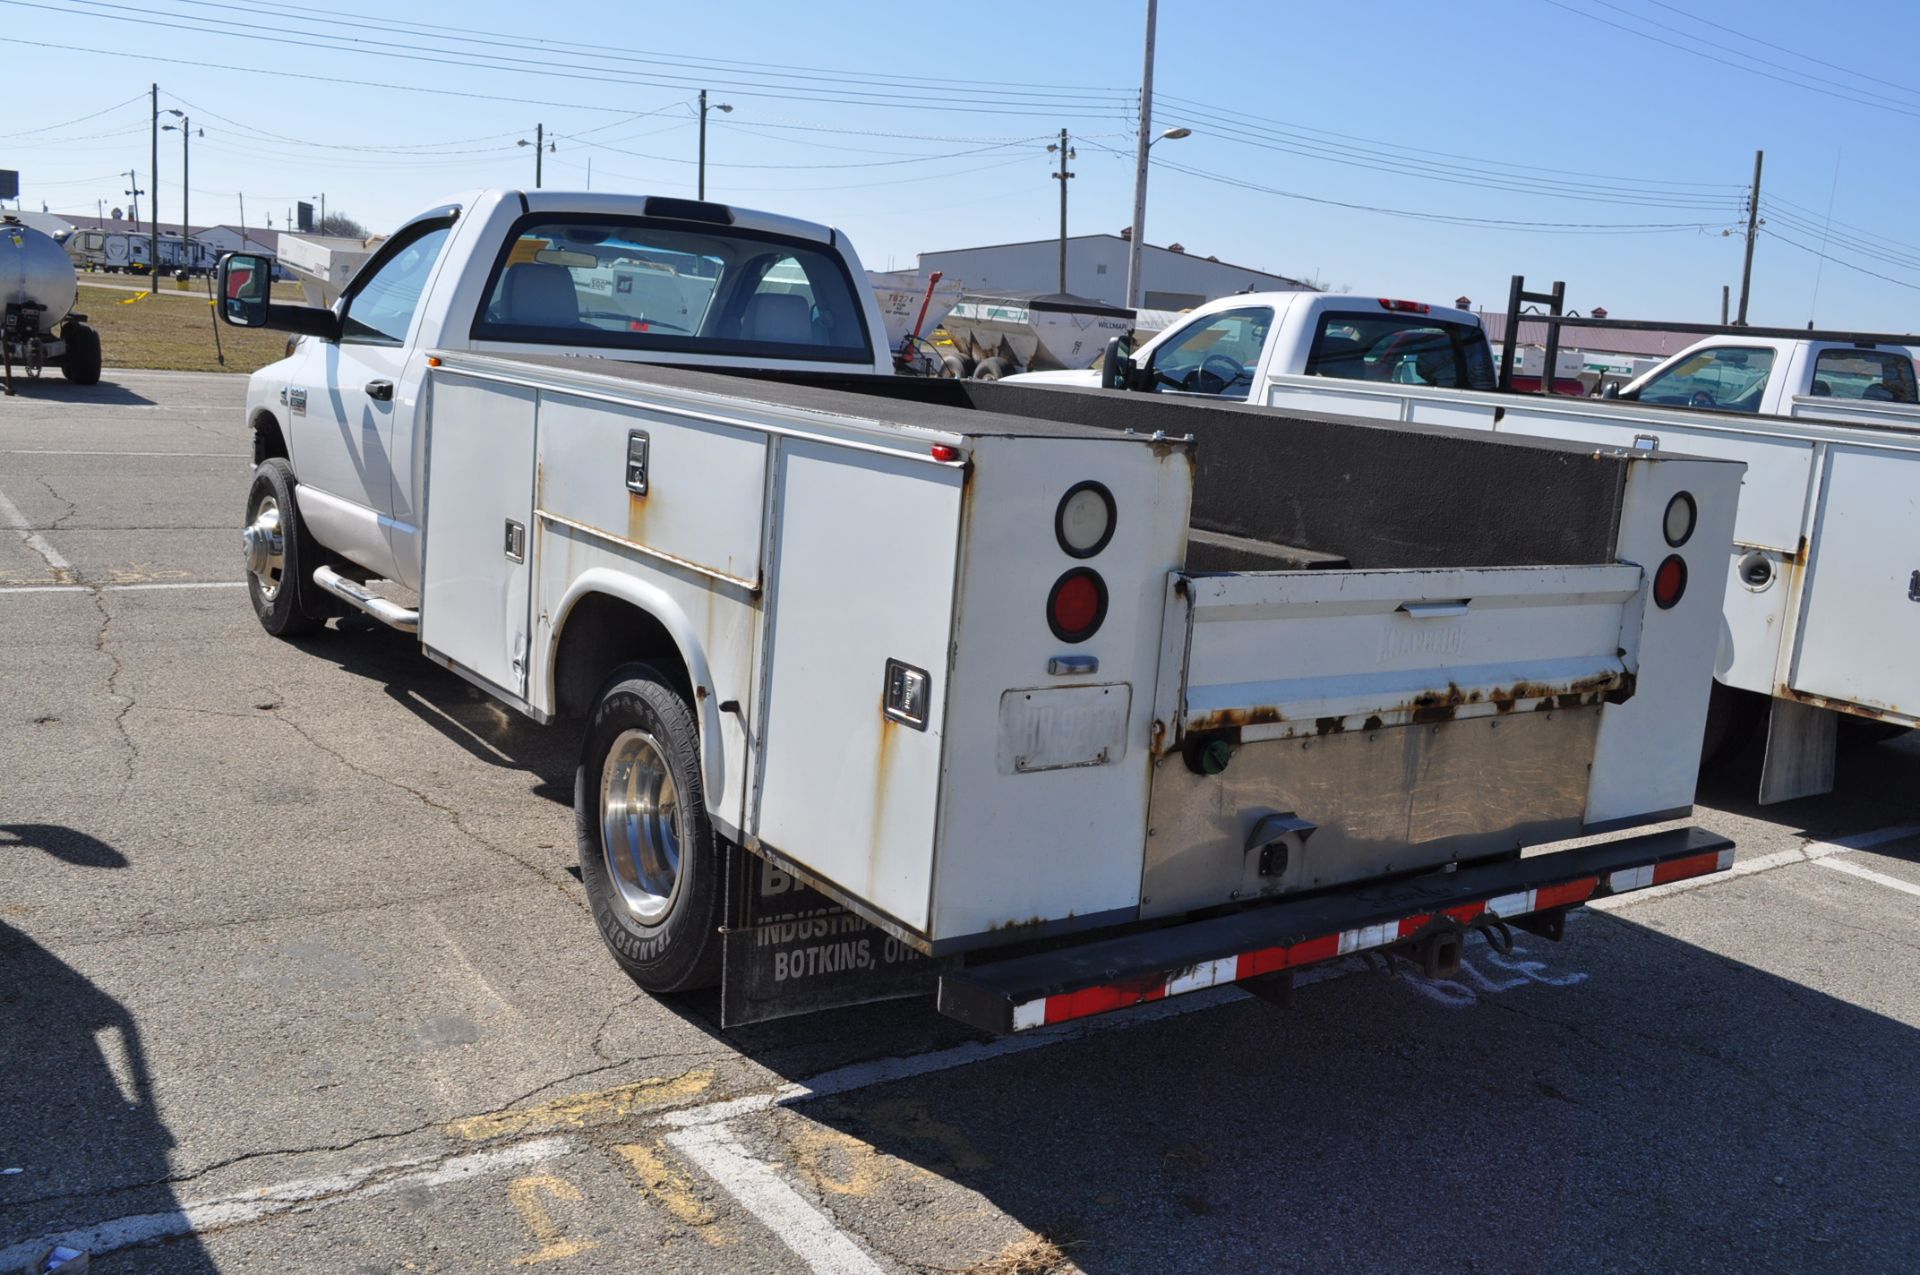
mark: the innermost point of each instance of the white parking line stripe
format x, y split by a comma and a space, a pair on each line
122, 588
806, 1230
10, 515
301, 1196
1868, 874
1812, 852
24, 451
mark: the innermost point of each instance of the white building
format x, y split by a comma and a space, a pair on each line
1173, 278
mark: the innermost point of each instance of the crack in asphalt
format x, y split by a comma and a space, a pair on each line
113, 690
454, 815
72, 507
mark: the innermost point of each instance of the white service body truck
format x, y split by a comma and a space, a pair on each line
1821, 578
889, 683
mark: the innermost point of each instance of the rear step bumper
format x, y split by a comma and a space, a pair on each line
1073, 982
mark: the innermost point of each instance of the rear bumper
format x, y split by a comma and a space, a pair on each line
1057, 986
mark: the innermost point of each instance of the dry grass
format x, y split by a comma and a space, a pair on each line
174, 333
1031, 1255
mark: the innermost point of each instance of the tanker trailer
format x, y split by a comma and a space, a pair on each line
38, 326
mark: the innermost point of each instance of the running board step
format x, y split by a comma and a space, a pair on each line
391, 614
1023, 992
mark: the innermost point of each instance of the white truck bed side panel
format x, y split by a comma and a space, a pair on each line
1649, 751
1352, 398
1032, 824
705, 482
1860, 622
473, 608
653, 552
864, 566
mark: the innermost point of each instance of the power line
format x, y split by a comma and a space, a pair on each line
1808, 57
1495, 223
50, 128
1884, 104
333, 43
869, 163
1846, 265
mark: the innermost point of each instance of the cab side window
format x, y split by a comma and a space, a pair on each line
1729, 378
1216, 356
380, 310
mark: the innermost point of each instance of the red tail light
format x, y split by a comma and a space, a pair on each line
1670, 581
1405, 307
1078, 605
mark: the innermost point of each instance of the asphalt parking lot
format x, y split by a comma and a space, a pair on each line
294, 975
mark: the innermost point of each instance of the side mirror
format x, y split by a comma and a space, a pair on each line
1116, 366
246, 300
246, 289
1610, 390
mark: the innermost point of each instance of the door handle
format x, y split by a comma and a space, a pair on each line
1436, 610
380, 391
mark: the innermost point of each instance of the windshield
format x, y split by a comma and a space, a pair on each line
629, 283
1729, 378
1401, 349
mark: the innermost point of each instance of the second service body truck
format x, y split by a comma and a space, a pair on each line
1048, 703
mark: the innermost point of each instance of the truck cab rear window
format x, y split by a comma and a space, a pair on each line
1401, 350
1881, 376
629, 283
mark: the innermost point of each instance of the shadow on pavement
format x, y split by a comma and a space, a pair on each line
1625, 1101
77, 1113
478, 723
51, 387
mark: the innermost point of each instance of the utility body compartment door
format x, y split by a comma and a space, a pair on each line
480, 474
1384, 721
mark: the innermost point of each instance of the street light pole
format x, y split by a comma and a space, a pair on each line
718, 106
153, 205
540, 144
185, 129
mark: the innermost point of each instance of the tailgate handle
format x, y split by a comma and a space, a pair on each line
1436, 610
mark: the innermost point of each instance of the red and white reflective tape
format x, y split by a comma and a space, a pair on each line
1065, 1006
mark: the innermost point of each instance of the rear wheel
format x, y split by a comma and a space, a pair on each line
992, 369
648, 857
81, 363
1733, 717
279, 554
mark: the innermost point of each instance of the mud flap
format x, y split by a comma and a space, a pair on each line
788, 949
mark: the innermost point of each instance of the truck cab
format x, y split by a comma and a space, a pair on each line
646, 279
1227, 349
1781, 377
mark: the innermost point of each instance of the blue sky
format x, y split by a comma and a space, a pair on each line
1604, 142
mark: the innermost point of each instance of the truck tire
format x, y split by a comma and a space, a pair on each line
992, 369
648, 857
1734, 718
81, 363
955, 367
280, 554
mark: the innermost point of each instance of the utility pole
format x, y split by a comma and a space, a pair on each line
185, 129
539, 145
1140, 164
1753, 233
153, 205
1724, 291
133, 194
1063, 177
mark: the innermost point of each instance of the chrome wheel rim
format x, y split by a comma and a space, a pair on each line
640, 825
265, 547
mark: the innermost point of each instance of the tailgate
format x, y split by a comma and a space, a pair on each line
1386, 720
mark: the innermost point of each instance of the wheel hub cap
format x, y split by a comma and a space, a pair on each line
640, 825
263, 546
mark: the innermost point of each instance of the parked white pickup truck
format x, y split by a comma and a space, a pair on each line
883, 680
1865, 382
1822, 583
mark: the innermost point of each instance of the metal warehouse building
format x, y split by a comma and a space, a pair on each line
1174, 279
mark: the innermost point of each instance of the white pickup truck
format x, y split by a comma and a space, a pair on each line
890, 684
1822, 577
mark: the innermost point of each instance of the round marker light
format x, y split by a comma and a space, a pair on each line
1670, 581
1077, 605
1083, 524
1680, 516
